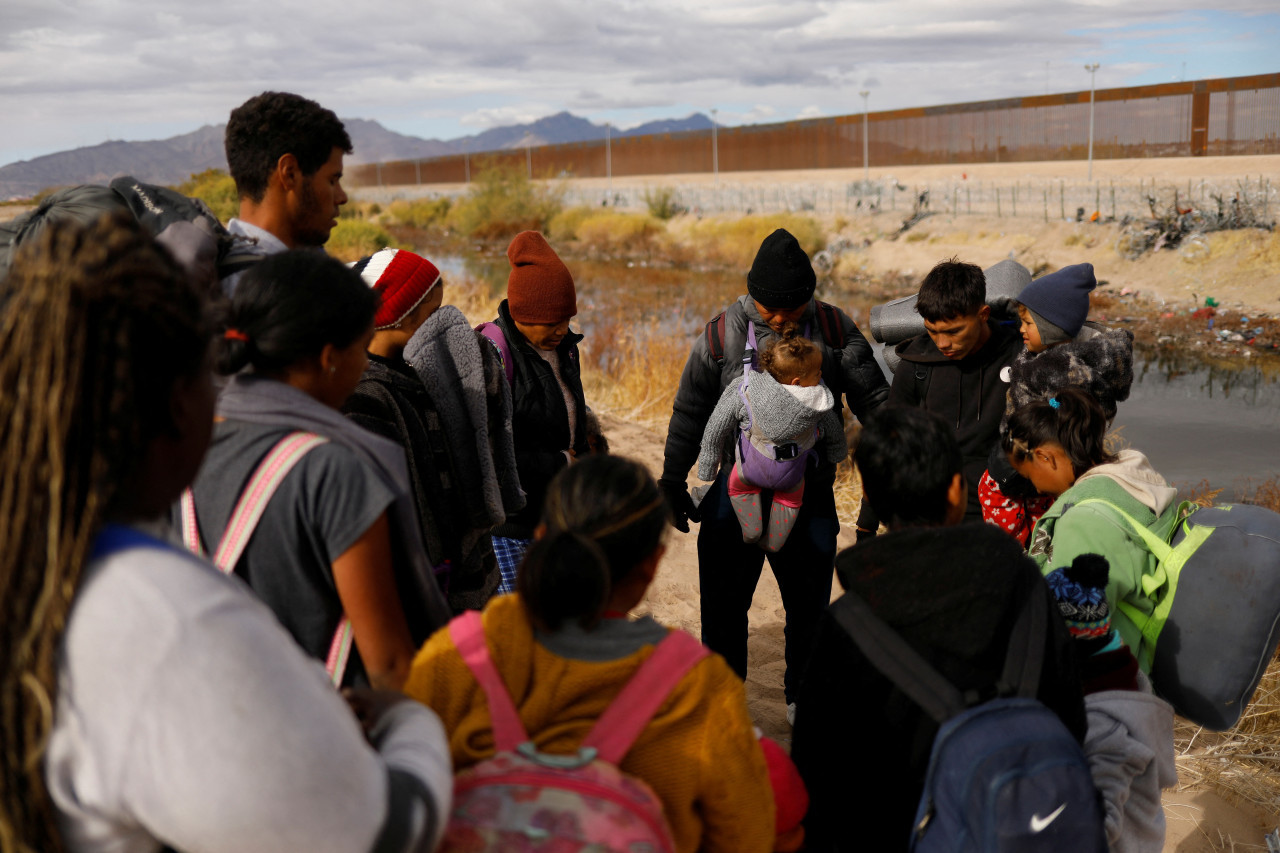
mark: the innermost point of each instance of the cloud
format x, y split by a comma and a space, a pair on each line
77, 70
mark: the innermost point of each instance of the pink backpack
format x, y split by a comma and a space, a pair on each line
522, 799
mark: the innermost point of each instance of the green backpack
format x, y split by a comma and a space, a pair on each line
1216, 620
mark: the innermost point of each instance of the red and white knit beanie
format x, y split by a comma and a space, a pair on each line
401, 278
540, 289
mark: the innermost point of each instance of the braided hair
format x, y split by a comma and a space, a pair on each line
789, 354
99, 323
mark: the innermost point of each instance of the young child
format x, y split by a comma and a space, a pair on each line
1129, 743
564, 647
1061, 350
1059, 445
782, 413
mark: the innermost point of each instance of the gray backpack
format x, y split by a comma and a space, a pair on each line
185, 226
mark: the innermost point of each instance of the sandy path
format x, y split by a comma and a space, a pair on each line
1198, 822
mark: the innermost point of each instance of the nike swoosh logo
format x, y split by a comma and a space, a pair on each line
1039, 823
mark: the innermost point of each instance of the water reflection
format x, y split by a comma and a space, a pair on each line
1200, 418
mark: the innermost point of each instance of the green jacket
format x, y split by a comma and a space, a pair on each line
1068, 530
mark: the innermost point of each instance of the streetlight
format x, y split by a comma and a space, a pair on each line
608, 155
1092, 68
866, 157
715, 147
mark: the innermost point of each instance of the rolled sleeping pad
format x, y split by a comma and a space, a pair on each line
1224, 624
895, 321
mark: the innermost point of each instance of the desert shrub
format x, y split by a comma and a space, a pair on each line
611, 232
564, 226
215, 188
663, 203
352, 239
420, 212
734, 242
503, 201
633, 369
367, 210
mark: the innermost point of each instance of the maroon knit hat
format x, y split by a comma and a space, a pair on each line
401, 278
540, 288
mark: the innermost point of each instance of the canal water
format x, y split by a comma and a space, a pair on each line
1198, 420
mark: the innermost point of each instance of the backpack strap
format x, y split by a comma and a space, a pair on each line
494, 333
895, 658
830, 325
1164, 577
715, 337
630, 712
287, 453
467, 633
266, 479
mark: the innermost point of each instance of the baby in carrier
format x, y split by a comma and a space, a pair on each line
783, 415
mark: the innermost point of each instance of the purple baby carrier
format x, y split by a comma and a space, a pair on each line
762, 463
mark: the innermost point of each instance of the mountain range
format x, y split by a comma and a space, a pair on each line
173, 160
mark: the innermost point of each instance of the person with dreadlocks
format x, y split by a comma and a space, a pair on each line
147, 700
337, 553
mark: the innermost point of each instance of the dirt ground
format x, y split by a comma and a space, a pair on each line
1198, 822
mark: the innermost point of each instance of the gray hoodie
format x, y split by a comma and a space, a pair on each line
781, 413
1129, 746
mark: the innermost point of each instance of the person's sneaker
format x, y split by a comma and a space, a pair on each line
791, 714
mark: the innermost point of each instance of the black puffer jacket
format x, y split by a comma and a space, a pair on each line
851, 370
540, 421
969, 394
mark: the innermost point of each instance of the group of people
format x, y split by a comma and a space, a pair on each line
192, 565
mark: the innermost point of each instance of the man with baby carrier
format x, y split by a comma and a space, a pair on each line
780, 288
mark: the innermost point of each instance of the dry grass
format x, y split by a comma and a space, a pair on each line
610, 233
1242, 764
733, 242
631, 370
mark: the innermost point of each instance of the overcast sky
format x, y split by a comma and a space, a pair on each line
76, 73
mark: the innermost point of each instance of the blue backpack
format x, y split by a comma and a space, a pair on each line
1005, 774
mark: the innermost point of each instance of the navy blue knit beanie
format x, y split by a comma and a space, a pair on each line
1062, 297
781, 276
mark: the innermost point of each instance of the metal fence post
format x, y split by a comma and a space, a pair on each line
998, 214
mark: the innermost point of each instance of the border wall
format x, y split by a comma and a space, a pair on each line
1226, 116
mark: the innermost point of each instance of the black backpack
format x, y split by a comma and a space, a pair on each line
1005, 775
185, 226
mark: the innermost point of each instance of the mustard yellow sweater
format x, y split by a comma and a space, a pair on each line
699, 754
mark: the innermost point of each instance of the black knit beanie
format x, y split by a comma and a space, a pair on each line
1062, 297
781, 276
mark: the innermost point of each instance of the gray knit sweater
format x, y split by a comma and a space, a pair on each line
780, 415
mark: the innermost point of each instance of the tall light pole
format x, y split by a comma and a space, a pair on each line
1092, 68
608, 155
715, 147
866, 157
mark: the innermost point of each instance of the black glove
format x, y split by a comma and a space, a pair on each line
683, 510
